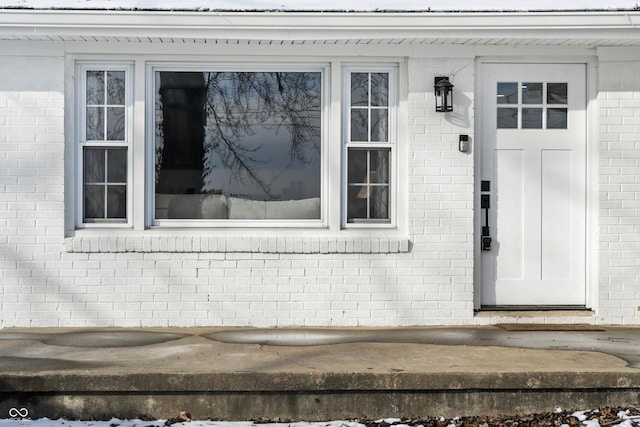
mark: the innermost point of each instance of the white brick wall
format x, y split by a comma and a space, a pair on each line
129, 280
619, 192
31, 188
440, 207
155, 279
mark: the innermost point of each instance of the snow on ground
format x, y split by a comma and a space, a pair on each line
45, 422
624, 420
362, 5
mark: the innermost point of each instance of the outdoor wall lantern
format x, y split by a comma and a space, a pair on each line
444, 94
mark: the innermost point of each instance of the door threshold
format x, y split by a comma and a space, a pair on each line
534, 311
532, 307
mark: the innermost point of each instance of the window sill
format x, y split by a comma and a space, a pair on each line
275, 242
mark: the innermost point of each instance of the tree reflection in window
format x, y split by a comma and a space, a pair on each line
250, 135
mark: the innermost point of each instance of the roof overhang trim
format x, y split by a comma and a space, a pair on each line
307, 26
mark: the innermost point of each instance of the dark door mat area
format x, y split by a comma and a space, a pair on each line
549, 327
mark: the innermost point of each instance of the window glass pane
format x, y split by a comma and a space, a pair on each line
379, 164
95, 123
94, 165
380, 89
507, 118
556, 93
94, 201
115, 88
95, 88
357, 166
507, 93
379, 202
380, 125
532, 93
532, 118
116, 201
359, 125
115, 123
238, 145
117, 165
357, 197
368, 189
557, 118
360, 89
102, 167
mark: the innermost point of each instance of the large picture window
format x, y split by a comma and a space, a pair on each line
238, 144
104, 138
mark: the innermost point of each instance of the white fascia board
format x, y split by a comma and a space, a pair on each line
319, 26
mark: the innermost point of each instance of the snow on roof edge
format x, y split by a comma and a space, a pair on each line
286, 10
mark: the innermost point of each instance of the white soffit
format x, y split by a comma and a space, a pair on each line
585, 28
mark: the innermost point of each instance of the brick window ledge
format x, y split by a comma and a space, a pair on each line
90, 242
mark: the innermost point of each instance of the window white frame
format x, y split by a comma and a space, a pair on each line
140, 92
391, 145
153, 67
81, 142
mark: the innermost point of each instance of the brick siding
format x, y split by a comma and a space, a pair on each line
423, 278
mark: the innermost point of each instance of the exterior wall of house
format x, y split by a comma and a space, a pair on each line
441, 181
31, 190
49, 278
619, 192
52, 281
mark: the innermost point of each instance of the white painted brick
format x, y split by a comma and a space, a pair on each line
285, 279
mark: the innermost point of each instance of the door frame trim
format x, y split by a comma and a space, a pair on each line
591, 169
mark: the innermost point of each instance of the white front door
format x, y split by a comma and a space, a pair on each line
532, 178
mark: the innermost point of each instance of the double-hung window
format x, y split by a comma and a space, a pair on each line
104, 140
369, 133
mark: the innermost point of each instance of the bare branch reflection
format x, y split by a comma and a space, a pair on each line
248, 134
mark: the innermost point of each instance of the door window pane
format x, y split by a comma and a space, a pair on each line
507, 93
532, 118
556, 93
242, 145
557, 118
532, 93
507, 118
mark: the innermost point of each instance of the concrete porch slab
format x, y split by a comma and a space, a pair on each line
314, 373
